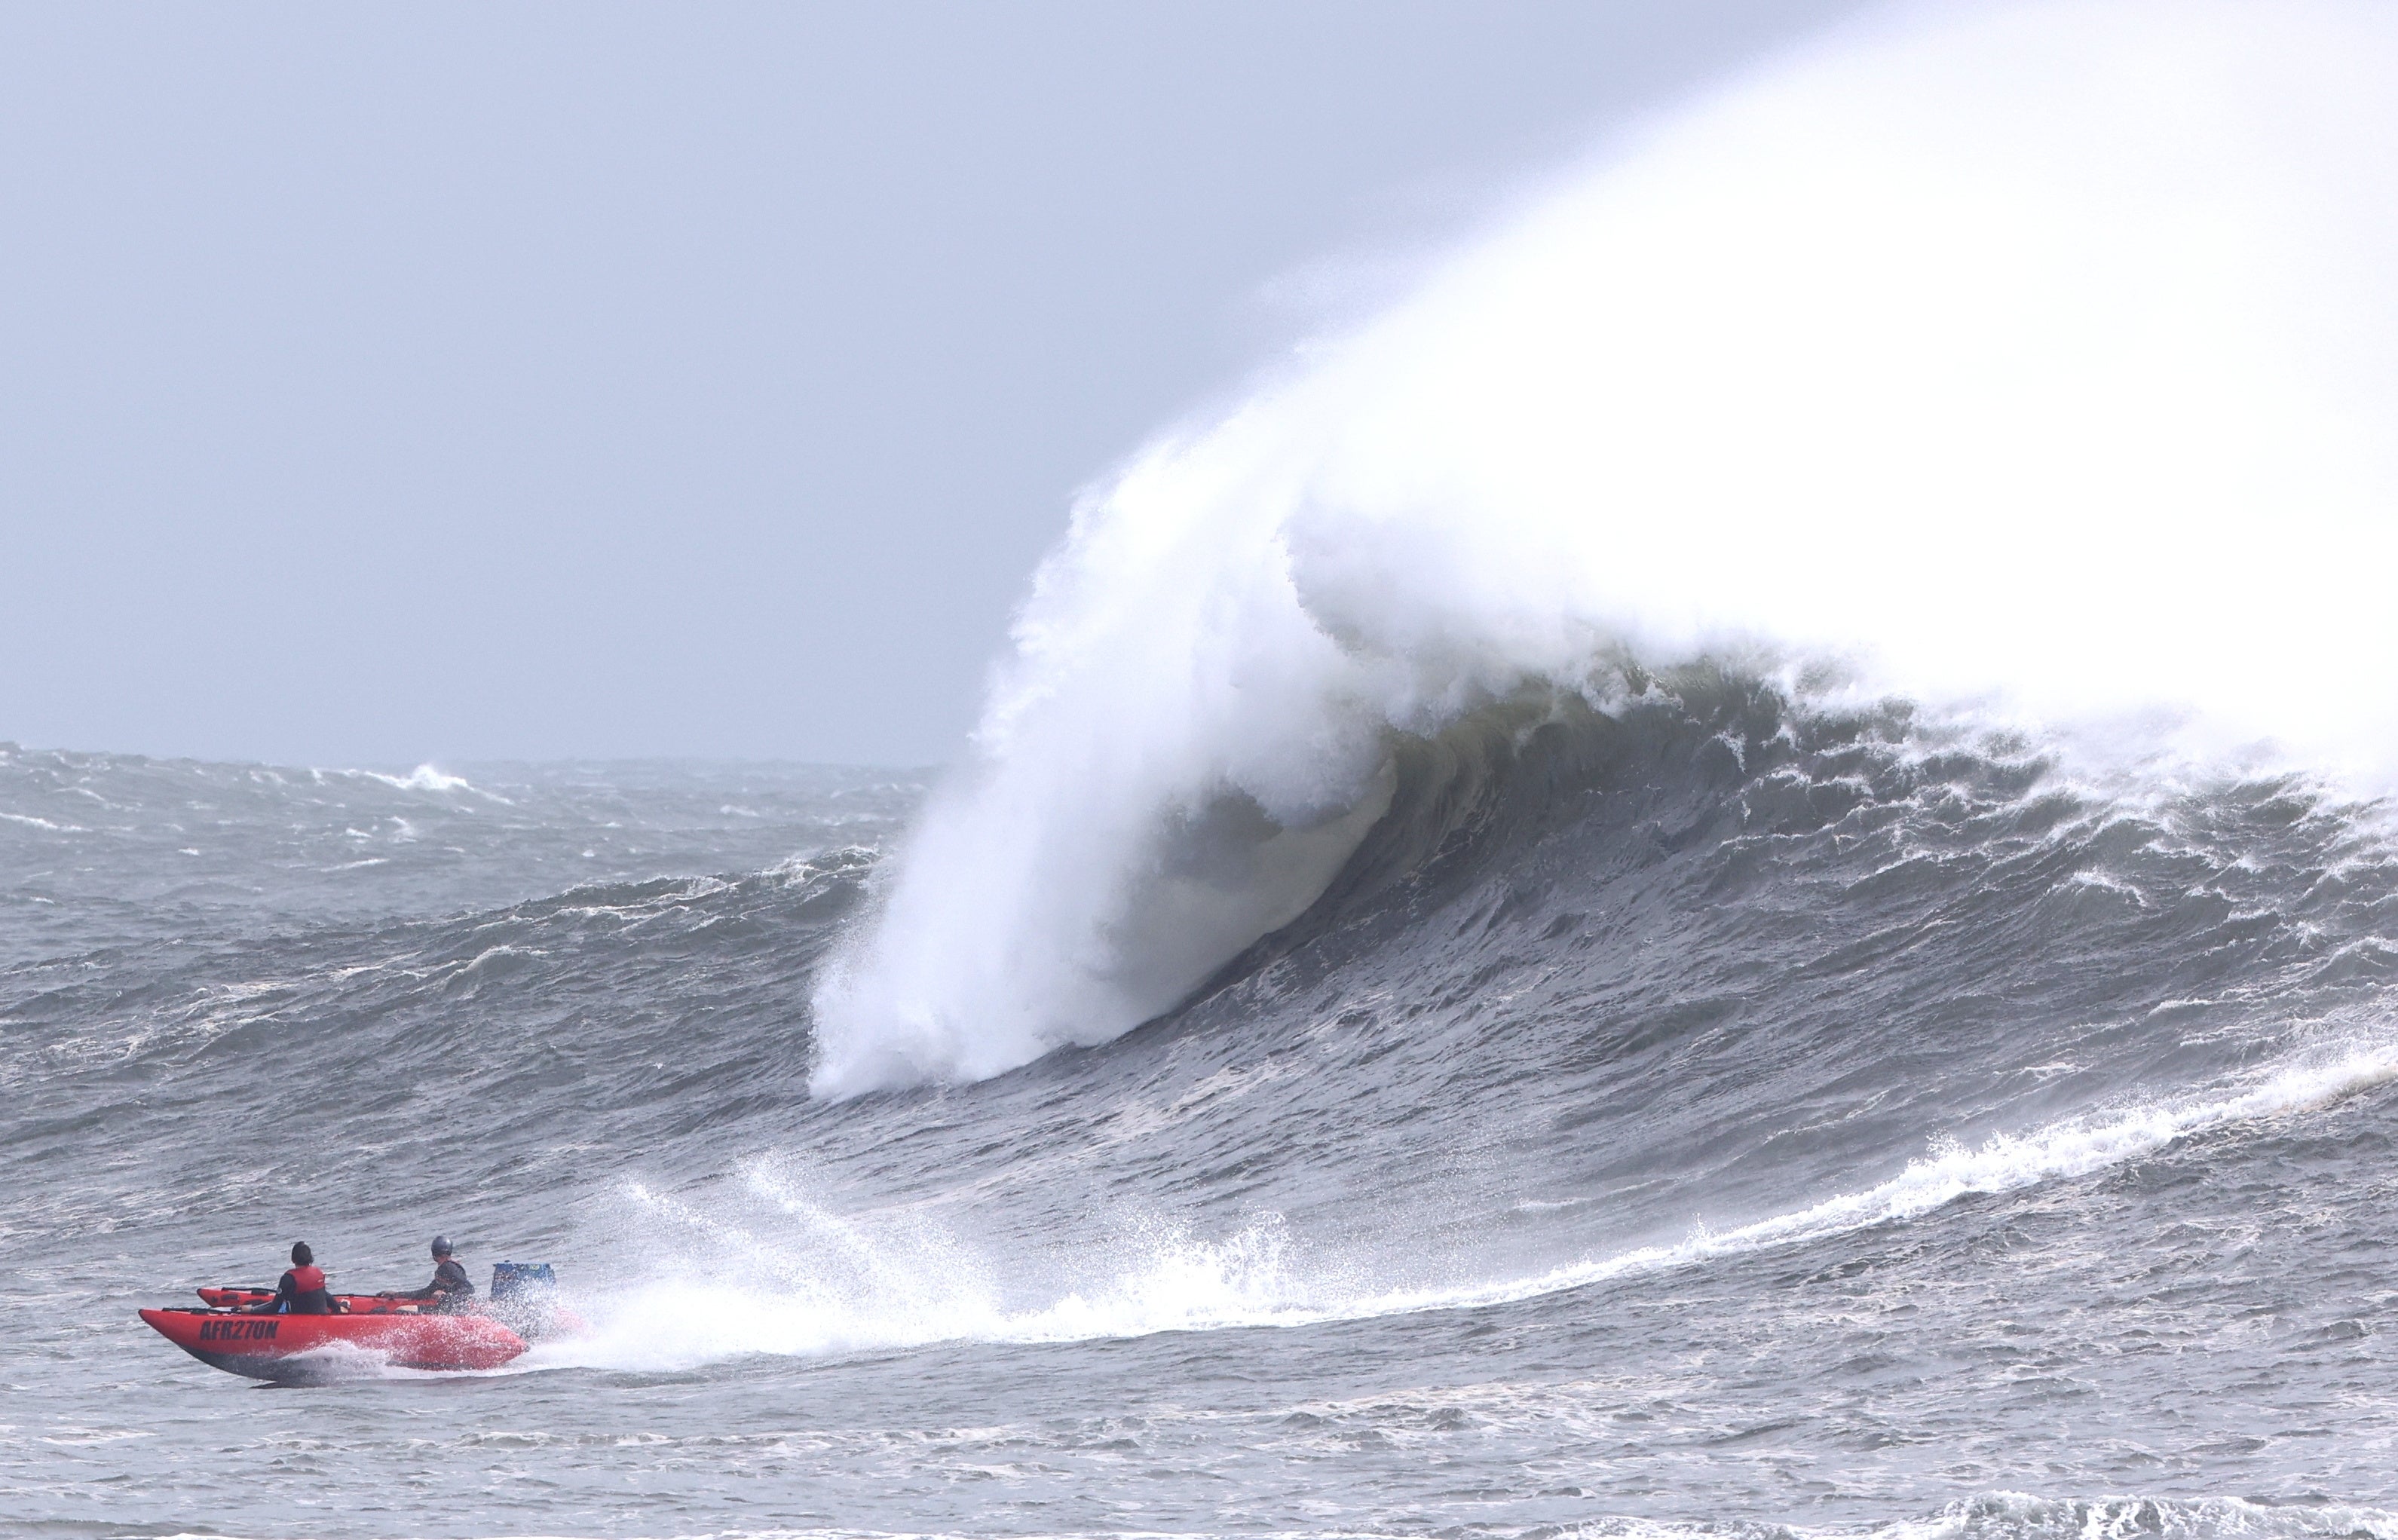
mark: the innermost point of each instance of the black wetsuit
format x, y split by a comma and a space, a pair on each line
451, 1287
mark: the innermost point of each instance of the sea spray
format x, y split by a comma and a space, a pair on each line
2042, 354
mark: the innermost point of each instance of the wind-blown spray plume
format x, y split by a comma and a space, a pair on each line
2040, 351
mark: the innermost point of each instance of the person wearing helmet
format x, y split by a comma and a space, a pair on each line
451, 1290
300, 1291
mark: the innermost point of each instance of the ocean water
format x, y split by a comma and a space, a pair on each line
1732, 876
1712, 1116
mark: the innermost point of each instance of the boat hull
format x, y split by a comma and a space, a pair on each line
305, 1347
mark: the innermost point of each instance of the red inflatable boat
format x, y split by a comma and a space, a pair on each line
396, 1331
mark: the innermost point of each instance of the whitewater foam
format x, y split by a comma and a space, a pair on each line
424, 778
2043, 354
2024, 1515
835, 1284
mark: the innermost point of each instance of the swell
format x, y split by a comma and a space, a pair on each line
499, 1057
1440, 1091
124, 850
1711, 985
1707, 947
1691, 948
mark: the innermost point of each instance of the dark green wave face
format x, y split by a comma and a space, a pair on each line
1710, 1115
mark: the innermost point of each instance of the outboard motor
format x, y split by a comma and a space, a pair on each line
524, 1294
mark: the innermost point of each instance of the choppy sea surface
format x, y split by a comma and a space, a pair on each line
1707, 1116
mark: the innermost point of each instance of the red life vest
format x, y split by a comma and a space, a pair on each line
307, 1279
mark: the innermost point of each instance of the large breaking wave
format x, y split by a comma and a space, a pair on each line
2037, 356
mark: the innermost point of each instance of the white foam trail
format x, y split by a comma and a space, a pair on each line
2022, 1516
830, 1284
837, 1285
424, 778
2044, 348
2071, 1148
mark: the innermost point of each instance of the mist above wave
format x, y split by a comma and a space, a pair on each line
2039, 353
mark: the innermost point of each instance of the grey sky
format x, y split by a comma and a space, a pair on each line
386, 384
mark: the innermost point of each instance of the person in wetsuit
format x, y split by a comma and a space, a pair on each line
451, 1290
300, 1291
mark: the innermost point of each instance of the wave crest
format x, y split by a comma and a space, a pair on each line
2040, 350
